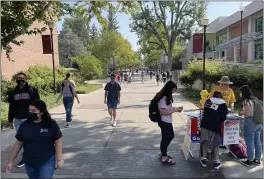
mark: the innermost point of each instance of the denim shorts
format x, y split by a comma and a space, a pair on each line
112, 104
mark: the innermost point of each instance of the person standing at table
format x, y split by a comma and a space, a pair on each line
227, 92
214, 113
252, 128
41, 137
19, 101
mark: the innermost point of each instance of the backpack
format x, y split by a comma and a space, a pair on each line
258, 111
154, 113
62, 86
238, 150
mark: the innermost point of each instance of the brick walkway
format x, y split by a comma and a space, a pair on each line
94, 149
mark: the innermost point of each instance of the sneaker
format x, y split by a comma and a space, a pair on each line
247, 163
114, 124
256, 162
21, 164
67, 125
217, 165
203, 162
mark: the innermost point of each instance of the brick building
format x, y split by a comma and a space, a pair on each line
34, 51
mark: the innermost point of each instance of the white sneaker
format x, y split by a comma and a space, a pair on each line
114, 124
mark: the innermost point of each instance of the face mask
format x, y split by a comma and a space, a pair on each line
20, 82
240, 95
32, 116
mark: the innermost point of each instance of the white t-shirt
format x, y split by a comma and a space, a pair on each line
162, 105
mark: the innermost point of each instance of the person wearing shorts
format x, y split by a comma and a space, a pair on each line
112, 98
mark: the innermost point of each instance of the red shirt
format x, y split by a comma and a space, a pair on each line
118, 77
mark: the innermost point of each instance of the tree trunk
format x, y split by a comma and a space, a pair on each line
169, 59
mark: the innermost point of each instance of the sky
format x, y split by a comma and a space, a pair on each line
214, 10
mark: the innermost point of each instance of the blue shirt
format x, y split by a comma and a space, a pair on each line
112, 90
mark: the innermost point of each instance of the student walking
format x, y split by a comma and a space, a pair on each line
253, 121
164, 77
112, 98
142, 76
41, 138
19, 101
157, 78
166, 110
68, 93
214, 113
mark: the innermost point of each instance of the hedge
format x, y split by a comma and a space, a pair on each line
214, 71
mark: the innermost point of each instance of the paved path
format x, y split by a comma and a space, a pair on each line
94, 149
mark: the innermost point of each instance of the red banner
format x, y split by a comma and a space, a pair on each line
197, 43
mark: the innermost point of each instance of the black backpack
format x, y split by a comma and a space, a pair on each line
154, 113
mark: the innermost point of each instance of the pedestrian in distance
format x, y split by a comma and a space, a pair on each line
142, 76
118, 78
150, 75
164, 77
68, 93
112, 98
214, 113
166, 110
252, 110
41, 138
19, 100
157, 78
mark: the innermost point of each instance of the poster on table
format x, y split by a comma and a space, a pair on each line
229, 134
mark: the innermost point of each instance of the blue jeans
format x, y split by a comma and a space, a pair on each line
252, 138
17, 123
68, 103
112, 104
44, 171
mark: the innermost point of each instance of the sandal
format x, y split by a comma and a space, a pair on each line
160, 155
169, 161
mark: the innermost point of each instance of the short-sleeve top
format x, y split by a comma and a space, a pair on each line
112, 89
162, 105
228, 95
38, 142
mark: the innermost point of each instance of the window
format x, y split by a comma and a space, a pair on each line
46, 44
259, 24
222, 38
259, 51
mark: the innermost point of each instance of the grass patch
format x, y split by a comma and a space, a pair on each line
50, 100
87, 88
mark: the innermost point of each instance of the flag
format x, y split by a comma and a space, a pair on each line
230, 123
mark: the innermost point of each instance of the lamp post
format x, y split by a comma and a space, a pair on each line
51, 27
241, 9
205, 22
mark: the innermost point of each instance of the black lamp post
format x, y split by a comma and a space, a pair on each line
51, 27
205, 22
241, 8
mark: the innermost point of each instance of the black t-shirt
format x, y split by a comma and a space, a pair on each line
38, 142
112, 90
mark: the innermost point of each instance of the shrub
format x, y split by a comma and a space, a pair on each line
214, 70
89, 66
260, 61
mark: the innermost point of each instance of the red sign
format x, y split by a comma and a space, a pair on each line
197, 43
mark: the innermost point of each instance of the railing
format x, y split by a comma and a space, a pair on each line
245, 39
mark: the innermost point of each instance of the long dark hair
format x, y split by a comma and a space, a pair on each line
246, 94
47, 121
167, 92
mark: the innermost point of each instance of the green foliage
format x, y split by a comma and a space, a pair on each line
18, 16
89, 66
214, 71
167, 21
86, 88
187, 79
260, 61
69, 45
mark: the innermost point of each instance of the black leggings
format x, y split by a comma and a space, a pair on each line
167, 134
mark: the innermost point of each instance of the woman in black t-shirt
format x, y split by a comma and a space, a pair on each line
40, 136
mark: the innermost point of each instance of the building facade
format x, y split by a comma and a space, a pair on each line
226, 31
34, 51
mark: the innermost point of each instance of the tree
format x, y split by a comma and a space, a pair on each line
89, 66
93, 32
81, 27
112, 23
176, 19
18, 16
69, 45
